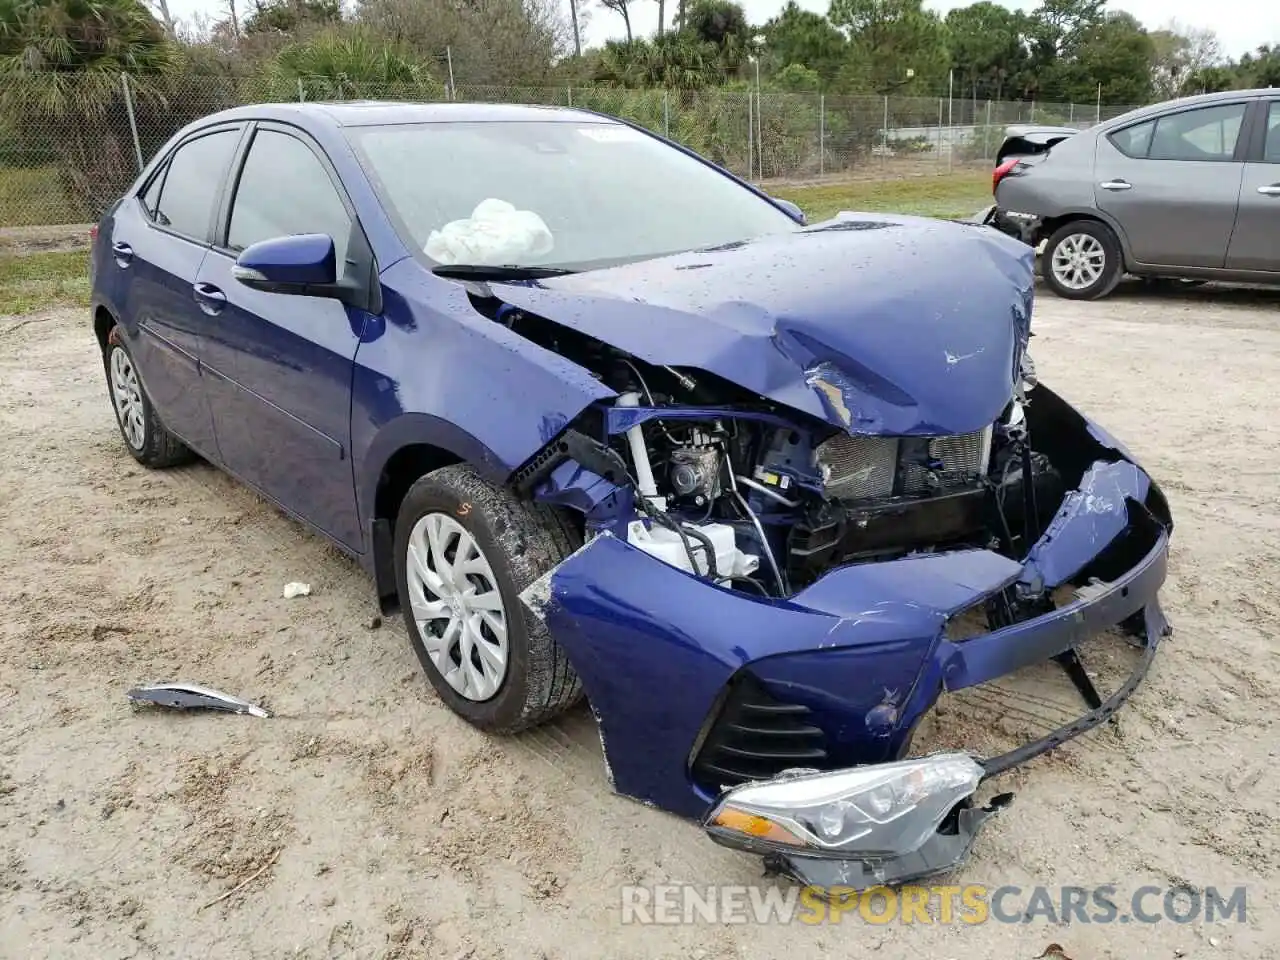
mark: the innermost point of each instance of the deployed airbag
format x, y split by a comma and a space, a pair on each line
496, 234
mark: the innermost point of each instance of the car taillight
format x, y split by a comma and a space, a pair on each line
1001, 172
93, 234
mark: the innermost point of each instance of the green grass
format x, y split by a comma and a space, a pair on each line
33, 197
39, 280
946, 195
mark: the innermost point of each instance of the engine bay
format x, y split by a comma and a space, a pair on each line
757, 497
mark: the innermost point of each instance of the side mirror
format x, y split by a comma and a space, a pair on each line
304, 264
796, 213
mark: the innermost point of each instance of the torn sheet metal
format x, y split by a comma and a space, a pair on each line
190, 696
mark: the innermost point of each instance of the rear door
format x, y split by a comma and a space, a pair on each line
1173, 184
280, 365
159, 240
1255, 245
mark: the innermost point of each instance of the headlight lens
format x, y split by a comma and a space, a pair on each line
884, 810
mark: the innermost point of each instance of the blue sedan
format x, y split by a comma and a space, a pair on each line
601, 419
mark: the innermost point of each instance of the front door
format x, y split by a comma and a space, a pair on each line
1256, 243
1173, 184
279, 366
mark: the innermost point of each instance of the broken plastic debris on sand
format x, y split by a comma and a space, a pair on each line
191, 696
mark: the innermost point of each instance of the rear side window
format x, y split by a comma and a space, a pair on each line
1271, 151
151, 196
192, 185
285, 190
1209, 133
1134, 141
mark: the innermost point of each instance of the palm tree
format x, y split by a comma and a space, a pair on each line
61, 93
344, 62
66, 56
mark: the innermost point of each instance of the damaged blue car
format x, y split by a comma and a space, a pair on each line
604, 421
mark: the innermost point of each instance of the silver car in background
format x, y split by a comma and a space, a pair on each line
1187, 190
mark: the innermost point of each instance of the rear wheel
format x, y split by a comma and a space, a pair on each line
464, 551
144, 435
1082, 260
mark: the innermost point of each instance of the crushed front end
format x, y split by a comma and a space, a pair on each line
724, 683
762, 611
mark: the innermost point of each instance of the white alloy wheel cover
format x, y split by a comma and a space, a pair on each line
126, 393
456, 605
1078, 261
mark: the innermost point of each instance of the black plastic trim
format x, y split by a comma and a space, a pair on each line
755, 736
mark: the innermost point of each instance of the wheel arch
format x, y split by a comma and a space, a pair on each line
405, 450
103, 321
402, 470
1050, 225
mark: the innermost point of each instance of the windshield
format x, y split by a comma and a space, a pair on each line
571, 195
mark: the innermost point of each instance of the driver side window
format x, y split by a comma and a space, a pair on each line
285, 190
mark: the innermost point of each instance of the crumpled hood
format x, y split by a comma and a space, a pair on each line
877, 324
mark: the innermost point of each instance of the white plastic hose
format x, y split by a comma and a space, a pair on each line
639, 453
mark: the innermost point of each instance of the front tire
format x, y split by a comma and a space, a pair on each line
464, 551
145, 437
1082, 260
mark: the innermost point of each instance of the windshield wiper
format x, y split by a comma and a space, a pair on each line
479, 271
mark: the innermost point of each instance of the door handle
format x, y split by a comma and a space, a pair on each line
211, 299
1116, 185
1270, 191
122, 252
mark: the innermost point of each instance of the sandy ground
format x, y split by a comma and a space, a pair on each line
379, 825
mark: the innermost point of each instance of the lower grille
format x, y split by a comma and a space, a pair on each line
860, 468
755, 736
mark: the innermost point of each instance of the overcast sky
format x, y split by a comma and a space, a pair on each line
1240, 24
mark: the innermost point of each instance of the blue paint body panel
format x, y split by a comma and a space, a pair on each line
278, 377
872, 324
862, 648
916, 324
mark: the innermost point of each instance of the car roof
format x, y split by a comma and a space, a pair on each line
361, 113
1199, 100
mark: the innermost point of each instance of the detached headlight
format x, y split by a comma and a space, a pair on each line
878, 811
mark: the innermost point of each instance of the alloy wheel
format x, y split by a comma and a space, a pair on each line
1078, 261
126, 393
457, 607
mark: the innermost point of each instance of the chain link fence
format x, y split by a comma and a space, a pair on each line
71, 143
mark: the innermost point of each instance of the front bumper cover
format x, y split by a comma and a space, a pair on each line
862, 653
950, 845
